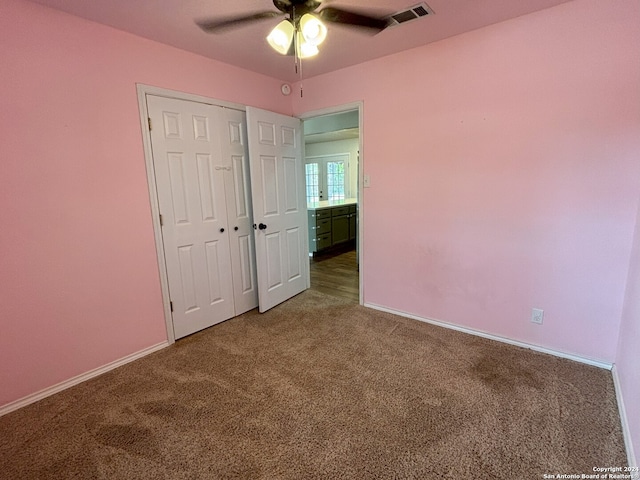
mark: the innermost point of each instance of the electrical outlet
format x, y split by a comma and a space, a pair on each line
537, 315
366, 181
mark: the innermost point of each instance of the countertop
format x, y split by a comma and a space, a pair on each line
331, 203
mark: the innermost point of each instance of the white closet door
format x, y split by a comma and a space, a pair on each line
190, 183
235, 156
279, 206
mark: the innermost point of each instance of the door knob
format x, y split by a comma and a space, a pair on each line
235, 228
262, 226
222, 230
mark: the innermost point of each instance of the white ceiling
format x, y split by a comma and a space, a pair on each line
172, 22
334, 136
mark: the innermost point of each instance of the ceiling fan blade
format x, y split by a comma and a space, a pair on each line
216, 25
349, 17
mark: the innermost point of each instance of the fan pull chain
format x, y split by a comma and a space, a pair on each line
296, 46
300, 78
298, 65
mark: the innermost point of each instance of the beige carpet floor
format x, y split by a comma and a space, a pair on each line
319, 388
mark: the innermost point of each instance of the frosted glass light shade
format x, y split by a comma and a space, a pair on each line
305, 49
313, 30
281, 36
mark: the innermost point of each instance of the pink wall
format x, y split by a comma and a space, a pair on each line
628, 358
79, 283
505, 175
504, 167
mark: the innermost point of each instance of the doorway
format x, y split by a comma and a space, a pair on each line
332, 179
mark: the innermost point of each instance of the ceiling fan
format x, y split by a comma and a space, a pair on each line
303, 29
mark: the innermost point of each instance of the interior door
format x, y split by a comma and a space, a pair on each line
279, 206
190, 184
233, 133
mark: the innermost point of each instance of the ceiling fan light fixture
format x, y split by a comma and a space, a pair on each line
281, 37
313, 30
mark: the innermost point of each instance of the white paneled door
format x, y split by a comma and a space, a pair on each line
279, 206
239, 210
198, 166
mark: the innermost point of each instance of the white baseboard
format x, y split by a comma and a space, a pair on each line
34, 397
631, 457
478, 333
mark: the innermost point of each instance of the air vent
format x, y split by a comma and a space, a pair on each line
410, 14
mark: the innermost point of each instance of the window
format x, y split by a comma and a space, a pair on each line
312, 180
326, 177
335, 180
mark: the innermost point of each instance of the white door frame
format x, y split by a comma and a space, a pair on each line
341, 109
143, 91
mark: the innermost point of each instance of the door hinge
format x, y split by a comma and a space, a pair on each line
161, 222
149, 120
171, 306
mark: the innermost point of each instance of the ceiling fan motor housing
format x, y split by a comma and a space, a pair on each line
299, 6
